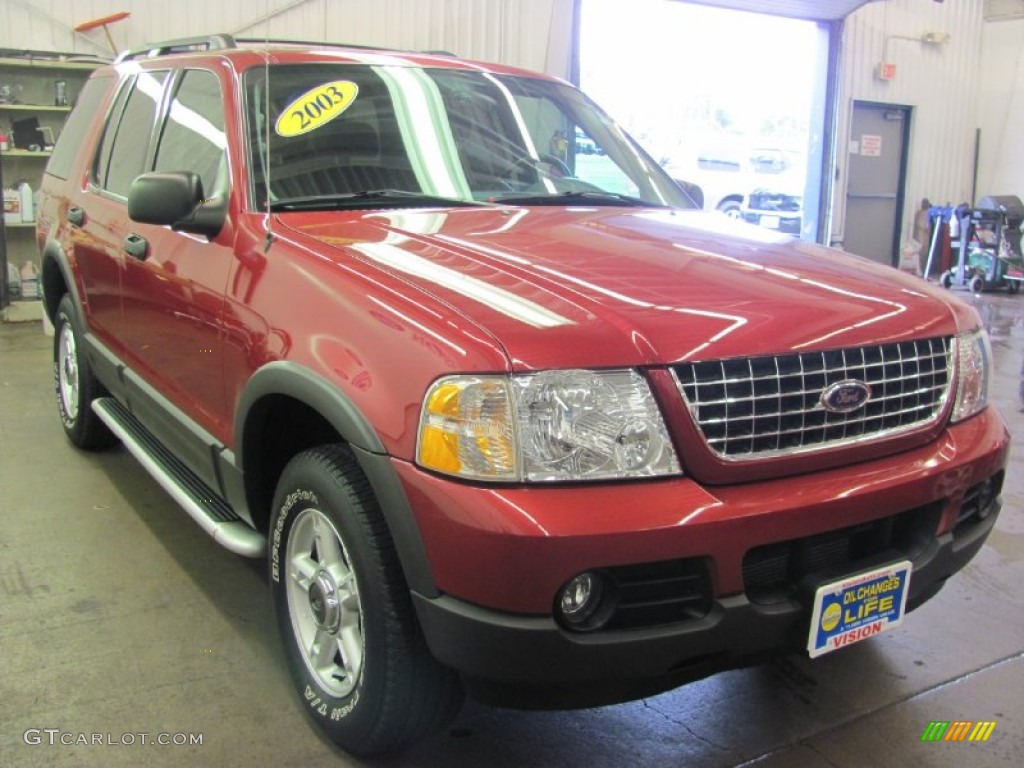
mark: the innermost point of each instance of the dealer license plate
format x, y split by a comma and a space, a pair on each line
772, 222
858, 607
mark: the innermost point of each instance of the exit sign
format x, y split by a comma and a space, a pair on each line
886, 71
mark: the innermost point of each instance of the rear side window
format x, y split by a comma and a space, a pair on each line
130, 146
102, 161
193, 134
72, 136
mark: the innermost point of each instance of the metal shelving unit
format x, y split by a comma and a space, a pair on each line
28, 87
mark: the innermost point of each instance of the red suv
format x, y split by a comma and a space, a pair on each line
505, 414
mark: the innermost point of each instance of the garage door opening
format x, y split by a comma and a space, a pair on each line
731, 100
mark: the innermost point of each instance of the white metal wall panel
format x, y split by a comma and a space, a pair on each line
535, 34
1001, 111
940, 82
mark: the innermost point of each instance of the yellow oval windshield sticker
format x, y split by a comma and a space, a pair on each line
316, 107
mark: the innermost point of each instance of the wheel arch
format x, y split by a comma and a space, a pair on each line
287, 408
56, 279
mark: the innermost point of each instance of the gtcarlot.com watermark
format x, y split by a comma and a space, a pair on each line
55, 736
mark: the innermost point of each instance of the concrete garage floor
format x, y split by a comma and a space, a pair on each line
119, 616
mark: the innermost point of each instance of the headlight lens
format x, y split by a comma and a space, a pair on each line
973, 361
466, 429
550, 426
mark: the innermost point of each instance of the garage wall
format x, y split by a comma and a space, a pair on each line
1001, 109
516, 32
940, 82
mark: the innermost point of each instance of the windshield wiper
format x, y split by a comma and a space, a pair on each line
374, 197
587, 197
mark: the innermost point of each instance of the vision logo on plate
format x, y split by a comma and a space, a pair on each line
315, 108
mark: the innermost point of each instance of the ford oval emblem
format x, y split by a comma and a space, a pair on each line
845, 396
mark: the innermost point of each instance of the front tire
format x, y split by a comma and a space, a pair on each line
343, 609
74, 383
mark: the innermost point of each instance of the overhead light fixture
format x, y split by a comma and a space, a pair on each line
935, 38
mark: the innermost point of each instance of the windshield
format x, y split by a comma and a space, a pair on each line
339, 131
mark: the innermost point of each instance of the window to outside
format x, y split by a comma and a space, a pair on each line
193, 134
732, 101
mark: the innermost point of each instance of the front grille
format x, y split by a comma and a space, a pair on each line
773, 201
763, 406
774, 572
651, 594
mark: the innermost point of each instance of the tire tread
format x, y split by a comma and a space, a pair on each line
419, 696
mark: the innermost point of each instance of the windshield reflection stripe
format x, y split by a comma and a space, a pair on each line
419, 108
517, 115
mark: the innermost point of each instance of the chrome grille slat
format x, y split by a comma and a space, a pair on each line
766, 406
862, 419
817, 392
779, 376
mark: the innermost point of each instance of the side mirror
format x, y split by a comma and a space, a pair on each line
692, 191
176, 200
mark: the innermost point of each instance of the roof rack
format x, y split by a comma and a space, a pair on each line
223, 41
181, 45
320, 43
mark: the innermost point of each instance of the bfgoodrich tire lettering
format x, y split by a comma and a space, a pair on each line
74, 383
355, 652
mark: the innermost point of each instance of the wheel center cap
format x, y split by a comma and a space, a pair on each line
324, 602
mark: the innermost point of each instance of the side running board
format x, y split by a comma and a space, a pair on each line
202, 503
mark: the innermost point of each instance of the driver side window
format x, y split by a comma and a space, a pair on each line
193, 136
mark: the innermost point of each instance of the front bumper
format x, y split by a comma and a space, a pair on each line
532, 662
500, 555
786, 222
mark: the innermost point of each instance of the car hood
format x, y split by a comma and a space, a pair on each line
606, 287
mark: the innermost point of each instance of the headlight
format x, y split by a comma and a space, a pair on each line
550, 426
973, 360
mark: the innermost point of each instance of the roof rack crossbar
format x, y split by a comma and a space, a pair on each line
181, 45
321, 43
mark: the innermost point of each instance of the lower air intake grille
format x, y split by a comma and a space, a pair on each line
666, 592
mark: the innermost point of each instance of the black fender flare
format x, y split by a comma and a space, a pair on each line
306, 386
54, 257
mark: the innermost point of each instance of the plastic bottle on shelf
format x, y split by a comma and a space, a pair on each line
29, 281
27, 202
12, 206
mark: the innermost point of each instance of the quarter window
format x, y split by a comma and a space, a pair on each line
73, 134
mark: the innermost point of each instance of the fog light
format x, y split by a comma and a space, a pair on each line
580, 598
986, 497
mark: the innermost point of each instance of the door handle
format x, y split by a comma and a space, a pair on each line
76, 215
137, 246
